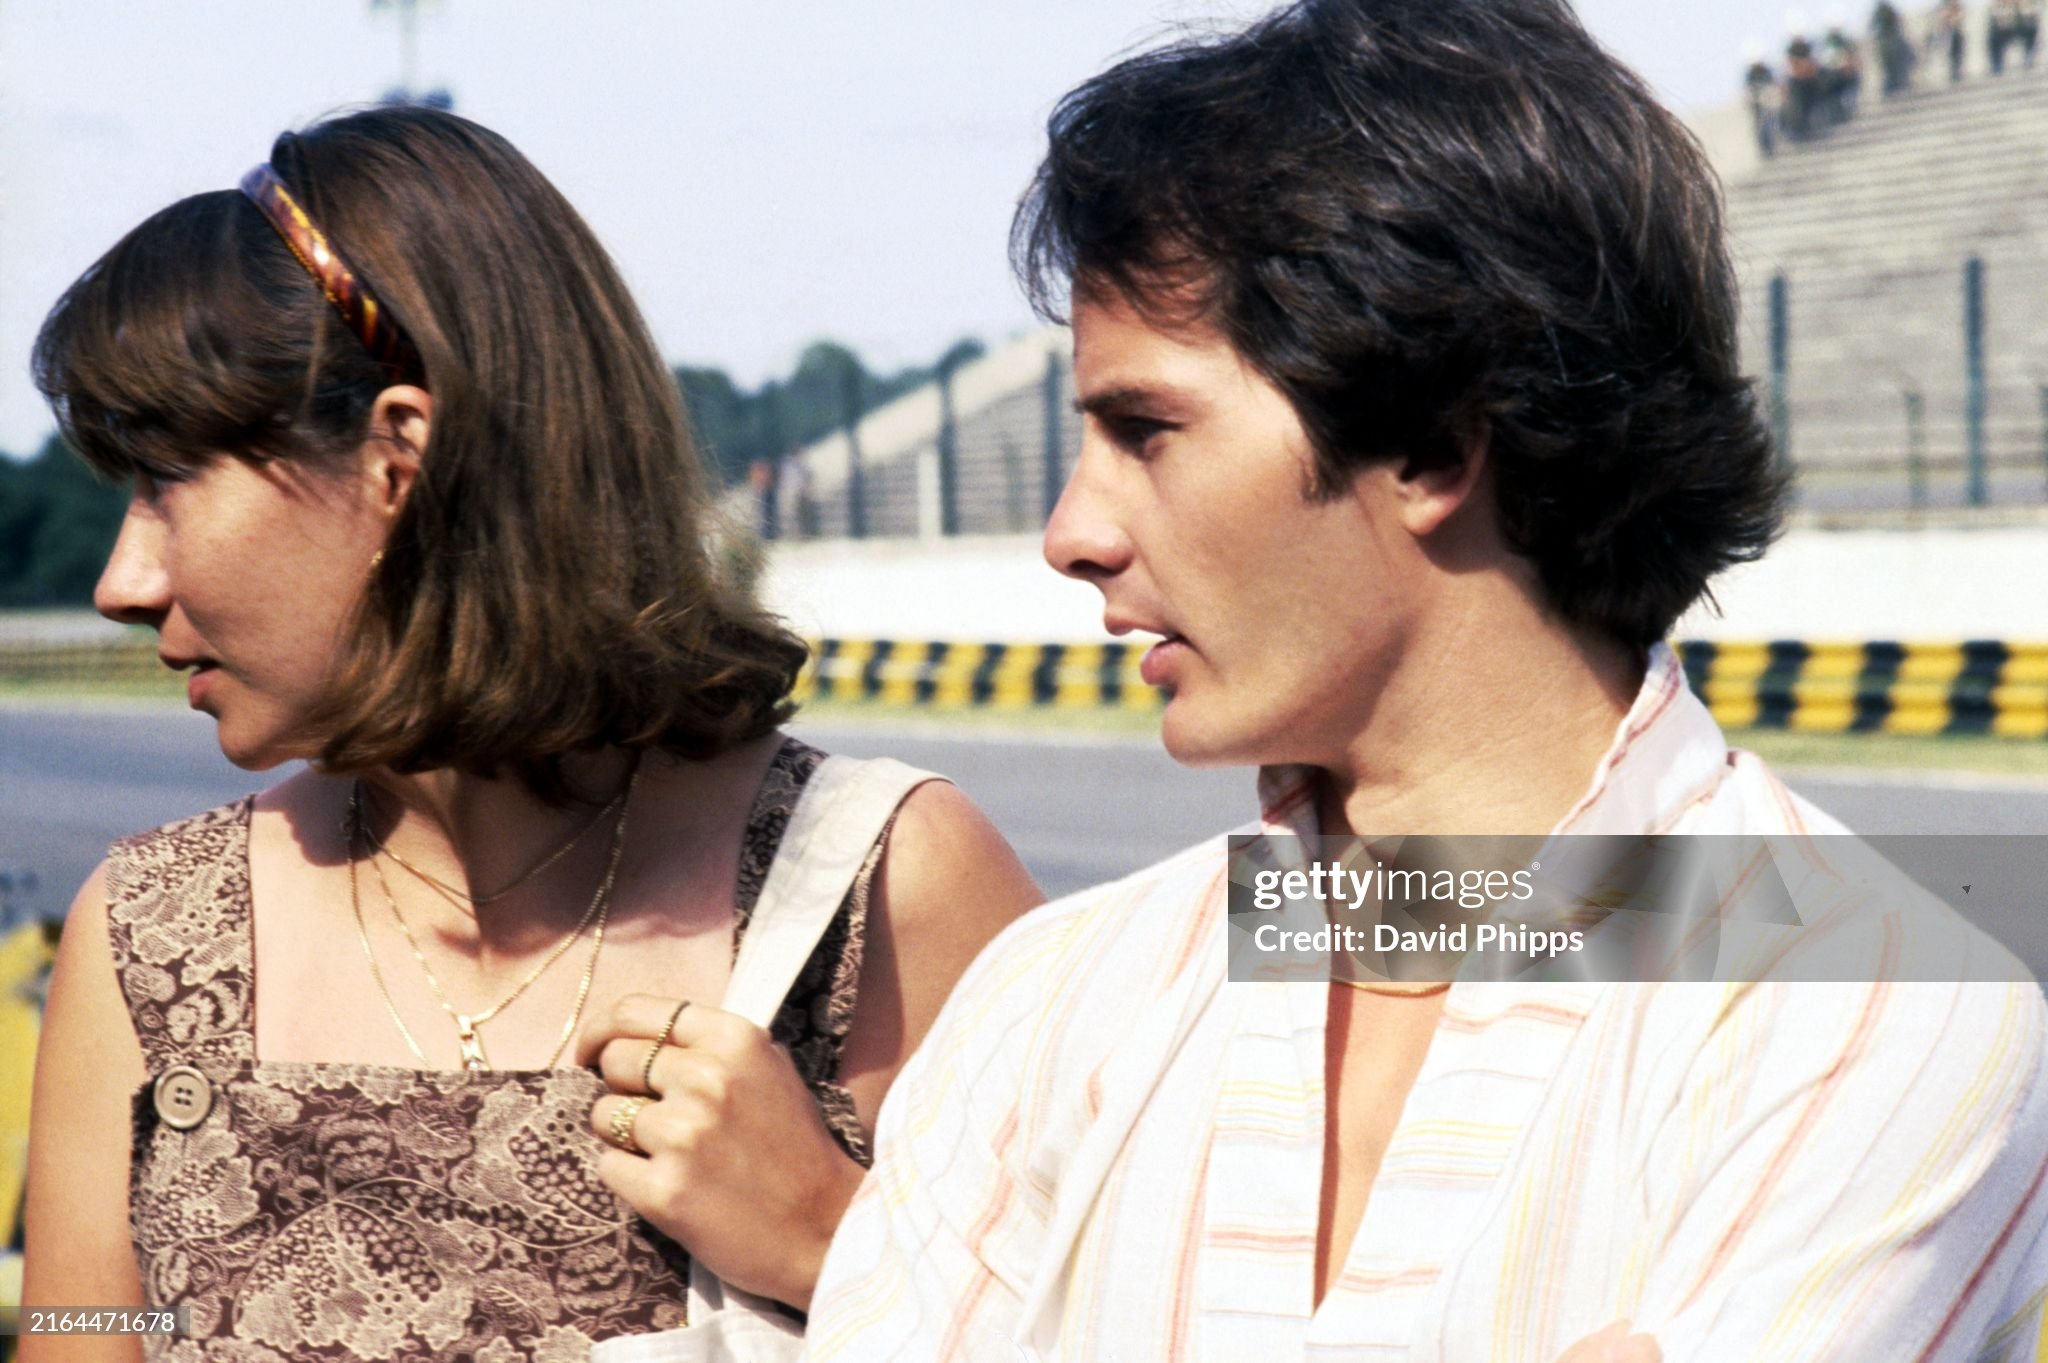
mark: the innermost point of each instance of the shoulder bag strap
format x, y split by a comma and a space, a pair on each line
843, 809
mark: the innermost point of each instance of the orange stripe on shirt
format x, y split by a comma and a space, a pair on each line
1809, 1117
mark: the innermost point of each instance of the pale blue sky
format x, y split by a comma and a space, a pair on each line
766, 174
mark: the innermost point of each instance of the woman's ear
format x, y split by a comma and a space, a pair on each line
401, 421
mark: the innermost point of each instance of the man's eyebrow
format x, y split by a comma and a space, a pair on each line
1119, 400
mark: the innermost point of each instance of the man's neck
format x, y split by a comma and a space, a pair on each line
1502, 736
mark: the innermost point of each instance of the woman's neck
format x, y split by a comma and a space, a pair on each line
504, 858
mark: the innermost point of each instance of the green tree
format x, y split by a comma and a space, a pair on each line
734, 427
718, 412
57, 525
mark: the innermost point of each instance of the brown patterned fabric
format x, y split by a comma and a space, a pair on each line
373, 1212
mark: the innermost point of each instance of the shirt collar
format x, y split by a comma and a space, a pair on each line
1668, 755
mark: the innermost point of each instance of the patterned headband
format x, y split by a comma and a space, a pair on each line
370, 323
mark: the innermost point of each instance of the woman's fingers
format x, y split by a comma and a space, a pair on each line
644, 1016
725, 1150
676, 1070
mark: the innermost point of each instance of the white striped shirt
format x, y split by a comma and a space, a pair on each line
1105, 1151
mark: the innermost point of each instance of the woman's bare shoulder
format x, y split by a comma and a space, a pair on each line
950, 871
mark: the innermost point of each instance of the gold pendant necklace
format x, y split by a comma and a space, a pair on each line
472, 1054
473, 1057
454, 894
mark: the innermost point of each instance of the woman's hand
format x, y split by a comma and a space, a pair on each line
733, 1160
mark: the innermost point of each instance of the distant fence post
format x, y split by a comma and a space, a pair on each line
1781, 365
2043, 393
856, 477
1916, 448
949, 455
1054, 477
1013, 488
1973, 373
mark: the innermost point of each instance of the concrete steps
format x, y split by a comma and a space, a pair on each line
1871, 226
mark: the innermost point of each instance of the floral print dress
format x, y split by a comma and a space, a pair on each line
328, 1211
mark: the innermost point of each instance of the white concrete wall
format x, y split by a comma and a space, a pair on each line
1934, 584
985, 589
1927, 584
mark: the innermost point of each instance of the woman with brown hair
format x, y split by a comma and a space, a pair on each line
414, 500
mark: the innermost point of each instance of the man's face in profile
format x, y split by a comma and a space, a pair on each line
1191, 508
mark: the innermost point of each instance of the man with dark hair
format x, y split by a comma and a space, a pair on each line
1405, 339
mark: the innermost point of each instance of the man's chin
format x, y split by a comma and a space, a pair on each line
1195, 739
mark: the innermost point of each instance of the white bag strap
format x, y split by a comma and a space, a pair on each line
844, 807
842, 810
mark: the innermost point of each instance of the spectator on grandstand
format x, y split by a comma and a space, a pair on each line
2028, 27
1894, 53
797, 507
761, 489
2001, 32
1841, 69
1766, 99
1803, 93
1946, 33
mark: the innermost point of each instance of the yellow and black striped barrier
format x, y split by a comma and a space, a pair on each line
1979, 687
68, 663
25, 955
979, 676
1976, 687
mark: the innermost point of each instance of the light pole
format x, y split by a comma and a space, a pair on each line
408, 91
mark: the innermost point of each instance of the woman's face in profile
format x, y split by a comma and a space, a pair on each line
249, 573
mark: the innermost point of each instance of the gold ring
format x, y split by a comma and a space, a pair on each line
647, 1070
622, 1125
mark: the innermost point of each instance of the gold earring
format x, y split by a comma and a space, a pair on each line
376, 560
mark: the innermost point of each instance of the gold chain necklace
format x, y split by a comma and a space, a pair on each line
451, 892
1393, 992
473, 1057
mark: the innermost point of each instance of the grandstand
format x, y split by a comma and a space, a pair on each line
1004, 424
1870, 229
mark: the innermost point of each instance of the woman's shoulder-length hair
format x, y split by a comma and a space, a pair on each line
552, 583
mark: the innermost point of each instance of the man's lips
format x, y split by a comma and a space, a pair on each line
1163, 660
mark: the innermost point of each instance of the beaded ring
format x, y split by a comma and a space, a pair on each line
622, 1125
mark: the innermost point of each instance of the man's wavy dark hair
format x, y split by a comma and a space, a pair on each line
1424, 218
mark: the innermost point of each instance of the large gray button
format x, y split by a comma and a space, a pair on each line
183, 1097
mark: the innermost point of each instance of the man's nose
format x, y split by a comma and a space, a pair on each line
1085, 537
134, 587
